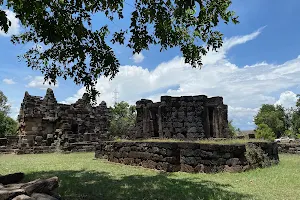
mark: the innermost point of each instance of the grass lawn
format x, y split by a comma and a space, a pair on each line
82, 177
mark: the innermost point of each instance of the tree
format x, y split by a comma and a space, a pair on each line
263, 131
8, 126
274, 117
295, 119
123, 118
75, 50
4, 107
233, 131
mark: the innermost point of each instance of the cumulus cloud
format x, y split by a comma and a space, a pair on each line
9, 81
138, 57
38, 82
244, 88
287, 99
14, 29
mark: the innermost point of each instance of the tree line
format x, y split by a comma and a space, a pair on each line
274, 121
8, 126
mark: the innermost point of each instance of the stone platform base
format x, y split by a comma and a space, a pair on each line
81, 147
185, 156
292, 148
72, 147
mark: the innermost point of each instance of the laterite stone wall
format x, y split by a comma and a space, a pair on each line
183, 156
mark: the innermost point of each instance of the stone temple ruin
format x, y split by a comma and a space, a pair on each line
46, 125
45, 122
186, 117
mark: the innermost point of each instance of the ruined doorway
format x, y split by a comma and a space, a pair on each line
155, 127
74, 128
153, 119
211, 121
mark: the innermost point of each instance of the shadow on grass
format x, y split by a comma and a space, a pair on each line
90, 185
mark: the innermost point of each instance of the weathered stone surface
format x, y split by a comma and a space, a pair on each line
10, 193
22, 197
42, 186
233, 162
11, 178
39, 196
43, 119
179, 156
3, 141
187, 117
292, 148
40, 189
45, 123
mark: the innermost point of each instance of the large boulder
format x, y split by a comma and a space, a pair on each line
42, 186
22, 197
40, 189
40, 196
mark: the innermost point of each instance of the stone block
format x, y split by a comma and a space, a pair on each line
3, 141
187, 168
149, 164
233, 162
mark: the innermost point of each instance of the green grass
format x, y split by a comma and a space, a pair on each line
83, 177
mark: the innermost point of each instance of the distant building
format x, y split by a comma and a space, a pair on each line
247, 134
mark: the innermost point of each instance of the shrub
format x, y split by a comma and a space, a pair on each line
289, 133
263, 131
256, 156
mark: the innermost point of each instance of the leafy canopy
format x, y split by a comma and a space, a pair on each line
233, 131
263, 131
4, 107
272, 116
73, 49
282, 121
123, 118
295, 118
7, 124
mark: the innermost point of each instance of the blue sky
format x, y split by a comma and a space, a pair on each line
258, 64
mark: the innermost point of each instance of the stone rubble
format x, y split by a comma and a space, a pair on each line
47, 123
11, 188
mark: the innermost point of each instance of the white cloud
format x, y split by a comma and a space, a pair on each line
9, 81
244, 88
287, 99
138, 57
14, 112
14, 108
14, 29
38, 82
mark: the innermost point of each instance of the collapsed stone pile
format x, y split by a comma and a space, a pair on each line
9, 144
12, 188
48, 123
